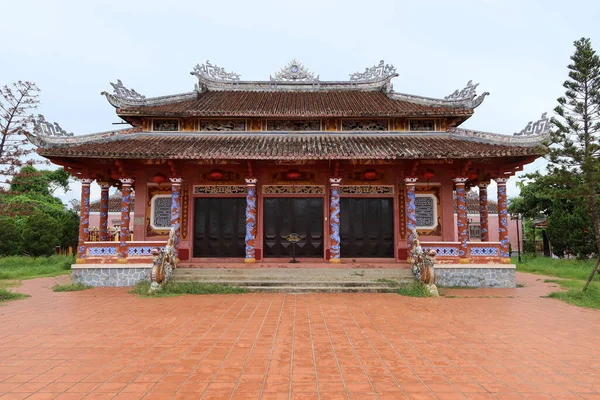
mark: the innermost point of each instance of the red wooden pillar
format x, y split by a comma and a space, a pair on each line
176, 212
126, 184
104, 186
461, 208
334, 221
84, 220
503, 221
483, 212
411, 219
250, 220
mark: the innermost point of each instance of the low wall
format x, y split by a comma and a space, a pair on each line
110, 274
476, 275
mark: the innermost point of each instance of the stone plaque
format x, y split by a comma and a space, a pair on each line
424, 211
162, 212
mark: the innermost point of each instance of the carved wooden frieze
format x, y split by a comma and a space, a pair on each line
422, 125
367, 189
219, 189
302, 176
165, 125
293, 125
364, 124
293, 189
221, 125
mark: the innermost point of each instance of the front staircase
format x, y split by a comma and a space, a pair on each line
301, 280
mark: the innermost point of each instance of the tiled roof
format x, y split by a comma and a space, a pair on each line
292, 104
114, 203
286, 146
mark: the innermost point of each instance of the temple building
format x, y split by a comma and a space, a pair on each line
351, 167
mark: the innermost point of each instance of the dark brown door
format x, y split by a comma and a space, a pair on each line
219, 227
283, 216
367, 227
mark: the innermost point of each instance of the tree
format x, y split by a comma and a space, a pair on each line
17, 102
41, 234
575, 149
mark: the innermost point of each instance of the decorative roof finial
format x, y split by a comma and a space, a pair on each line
468, 93
124, 93
376, 73
539, 127
212, 72
294, 72
41, 127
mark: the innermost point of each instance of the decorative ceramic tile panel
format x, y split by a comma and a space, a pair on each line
140, 250
483, 251
443, 251
102, 251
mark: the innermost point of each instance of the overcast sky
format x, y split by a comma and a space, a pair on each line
518, 50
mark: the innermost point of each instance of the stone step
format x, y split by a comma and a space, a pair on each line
317, 289
299, 283
287, 278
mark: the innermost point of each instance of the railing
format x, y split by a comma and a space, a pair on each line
476, 251
164, 263
108, 251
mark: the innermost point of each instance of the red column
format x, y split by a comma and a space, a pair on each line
126, 184
250, 220
84, 220
503, 221
461, 208
411, 219
176, 212
334, 221
104, 186
483, 212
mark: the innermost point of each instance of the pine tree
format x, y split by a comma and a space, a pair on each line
575, 149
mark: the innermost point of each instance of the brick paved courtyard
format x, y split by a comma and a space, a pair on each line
105, 343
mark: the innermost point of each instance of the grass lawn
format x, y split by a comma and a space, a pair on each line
568, 269
71, 287
180, 288
19, 267
574, 273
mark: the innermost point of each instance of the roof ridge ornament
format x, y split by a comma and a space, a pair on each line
214, 73
377, 72
294, 71
41, 127
122, 94
539, 127
467, 93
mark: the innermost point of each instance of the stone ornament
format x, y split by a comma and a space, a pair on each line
122, 92
378, 72
422, 261
163, 264
45, 128
467, 93
294, 71
212, 72
539, 127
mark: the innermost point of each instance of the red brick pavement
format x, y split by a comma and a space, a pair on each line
106, 343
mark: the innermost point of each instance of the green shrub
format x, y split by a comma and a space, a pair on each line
72, 287
41, 234
10, 237
6, 295
179, 288
416, 289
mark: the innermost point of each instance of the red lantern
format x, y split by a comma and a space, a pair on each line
216, 174
370, 174
293, 174
473, 175
428, 175
159, 178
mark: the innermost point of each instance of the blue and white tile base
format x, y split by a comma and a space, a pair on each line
483, 275
112, 275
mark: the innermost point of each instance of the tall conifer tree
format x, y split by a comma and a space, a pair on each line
575, 146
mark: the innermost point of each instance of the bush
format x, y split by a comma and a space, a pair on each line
10, 237
41, 234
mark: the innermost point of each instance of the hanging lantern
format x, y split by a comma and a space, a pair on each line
429, 175
370, 174
293, 174
473, 175
159, 178
216, 174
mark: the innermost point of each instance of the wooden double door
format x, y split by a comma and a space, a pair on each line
219, 227
367, 227
282, 216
